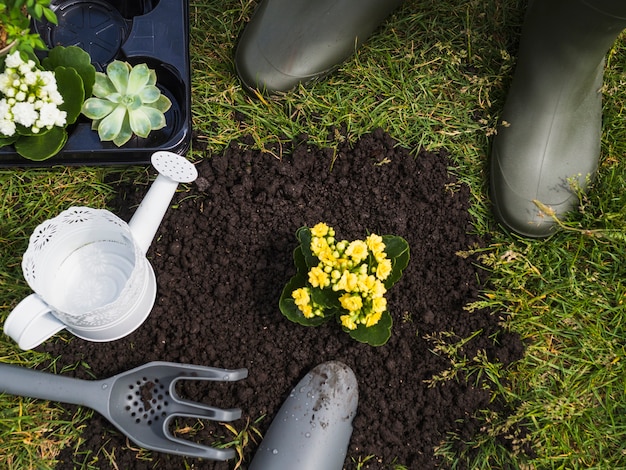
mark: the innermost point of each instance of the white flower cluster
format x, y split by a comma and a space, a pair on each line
29, 97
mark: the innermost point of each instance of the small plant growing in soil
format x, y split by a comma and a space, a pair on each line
344, 280
126, 101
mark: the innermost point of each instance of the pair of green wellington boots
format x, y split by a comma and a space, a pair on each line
547, 145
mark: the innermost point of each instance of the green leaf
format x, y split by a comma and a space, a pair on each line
289, 308
303, 234
41, 147
96, 108
397, 249
298, 259
111, 125
125, 133
153, 77
70, 85
76, 58
149, 94
118, 72
162, 104
157, 118
5, 140
50, 16
103, 87
137, 79
139, 122
327, 298
376, 335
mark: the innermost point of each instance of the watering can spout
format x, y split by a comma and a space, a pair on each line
173, 169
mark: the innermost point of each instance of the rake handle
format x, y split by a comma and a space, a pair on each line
21, 381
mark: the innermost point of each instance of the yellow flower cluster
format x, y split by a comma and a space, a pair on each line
358, 269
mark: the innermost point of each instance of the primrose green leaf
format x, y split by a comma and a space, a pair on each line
153, 77
376, 335
303, 234
298, 259
397, 249
289, 308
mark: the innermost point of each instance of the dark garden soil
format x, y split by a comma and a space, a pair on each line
222, 256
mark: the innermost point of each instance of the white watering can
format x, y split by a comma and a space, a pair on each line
88, 268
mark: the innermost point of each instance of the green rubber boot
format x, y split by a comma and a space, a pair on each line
548, 140
288, 42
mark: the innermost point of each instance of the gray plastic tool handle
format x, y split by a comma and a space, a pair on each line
21, 381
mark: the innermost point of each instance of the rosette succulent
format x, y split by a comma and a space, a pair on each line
126, 102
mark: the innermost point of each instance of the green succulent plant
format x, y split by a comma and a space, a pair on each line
126, 102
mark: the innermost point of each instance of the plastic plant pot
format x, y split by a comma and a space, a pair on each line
154, 32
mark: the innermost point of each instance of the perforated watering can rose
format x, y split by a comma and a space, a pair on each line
344, 280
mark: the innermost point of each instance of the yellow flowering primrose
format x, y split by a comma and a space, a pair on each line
347, 279
375, 243
366, 283
318, 278
379, 290
318, 244
301, 296
348, 282
379, 304
383, 270
357, 251
372, 319
320, 230
380, 256
352, 303
327, 256
307, 311
348, 322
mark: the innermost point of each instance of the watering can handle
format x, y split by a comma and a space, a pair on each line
31, 322
173, 169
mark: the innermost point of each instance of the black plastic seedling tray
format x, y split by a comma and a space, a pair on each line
154, 32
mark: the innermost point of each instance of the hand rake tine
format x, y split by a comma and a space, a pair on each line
194, 449
192, 409
195, 372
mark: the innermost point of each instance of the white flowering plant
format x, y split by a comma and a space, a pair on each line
344, 280
38, 100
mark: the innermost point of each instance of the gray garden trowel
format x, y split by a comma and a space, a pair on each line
312, 429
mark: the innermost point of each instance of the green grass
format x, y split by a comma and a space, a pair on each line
435, 75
